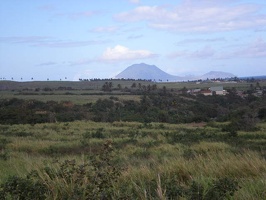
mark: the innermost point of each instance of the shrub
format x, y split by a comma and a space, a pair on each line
98, 133
22, 188
195, 191
222, 188
3, 152
170, 187
93, 180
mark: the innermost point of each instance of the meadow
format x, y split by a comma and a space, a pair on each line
82, 92
155, 160
220, 153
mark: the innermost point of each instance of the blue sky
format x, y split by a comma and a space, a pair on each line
47, 39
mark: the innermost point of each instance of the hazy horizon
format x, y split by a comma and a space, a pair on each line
69, 40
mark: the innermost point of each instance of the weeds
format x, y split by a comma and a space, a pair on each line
92, 180
3, 150
190, 160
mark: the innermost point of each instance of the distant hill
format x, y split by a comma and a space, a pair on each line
152, 72
145, 71
216, 74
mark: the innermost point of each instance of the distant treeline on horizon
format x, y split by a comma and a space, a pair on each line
254, 77
247, 78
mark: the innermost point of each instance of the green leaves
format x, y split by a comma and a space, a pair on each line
92, 180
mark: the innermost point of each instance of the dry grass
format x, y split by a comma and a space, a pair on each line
149, 159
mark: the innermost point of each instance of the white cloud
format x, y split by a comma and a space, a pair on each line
205, 52
197, 17
141, 13
69, 44
47, 63
25, 39
200, 40
178, 54
116, 54
105, 29
44, 41
134, 1
119, 53
255, 49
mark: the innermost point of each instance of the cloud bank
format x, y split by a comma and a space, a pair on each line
197, 17
45, 41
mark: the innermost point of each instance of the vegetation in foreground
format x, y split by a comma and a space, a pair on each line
131, 160
141, 143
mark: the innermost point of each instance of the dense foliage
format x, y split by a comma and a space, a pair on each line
159, 106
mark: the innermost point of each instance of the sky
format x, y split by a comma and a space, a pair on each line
85, 39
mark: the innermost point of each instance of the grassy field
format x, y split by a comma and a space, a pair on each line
128, 160
83, 92
153, 157
97, 85
76, 85
77, 97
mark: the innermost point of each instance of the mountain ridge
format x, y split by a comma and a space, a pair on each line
152, 72
145, 71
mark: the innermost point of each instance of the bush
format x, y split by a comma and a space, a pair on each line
262, 113
93, 180
222, 189
3, 152
22, 188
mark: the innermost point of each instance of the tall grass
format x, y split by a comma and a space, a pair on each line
158, 160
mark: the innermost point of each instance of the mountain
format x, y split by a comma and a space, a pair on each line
151, 72
145, 71
216, 74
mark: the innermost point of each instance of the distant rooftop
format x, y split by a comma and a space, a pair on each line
217, 88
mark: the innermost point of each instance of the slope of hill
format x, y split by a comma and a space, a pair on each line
148, 72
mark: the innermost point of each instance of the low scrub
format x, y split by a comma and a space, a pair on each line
76, 160
67, 180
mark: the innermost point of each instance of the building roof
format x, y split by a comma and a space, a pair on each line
217, 88
206, 91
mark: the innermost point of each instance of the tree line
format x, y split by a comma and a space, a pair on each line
155, 106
